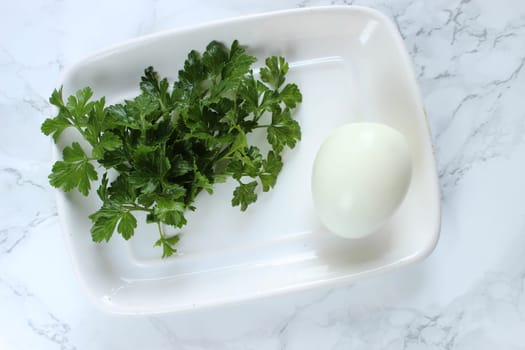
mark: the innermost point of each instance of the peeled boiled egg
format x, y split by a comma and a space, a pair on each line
360, 176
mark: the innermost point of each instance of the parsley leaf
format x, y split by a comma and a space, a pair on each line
104, 223
284, 131
108, 142
275, 71
167, 244
291, 95
55, 126
244, 195
159, 88
75, 171
272, 166
109, 217
170, 212
126, 226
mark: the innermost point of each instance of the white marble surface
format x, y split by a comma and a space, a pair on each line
469, 294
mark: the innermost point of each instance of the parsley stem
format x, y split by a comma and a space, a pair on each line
161, 231
262, 126
137, 208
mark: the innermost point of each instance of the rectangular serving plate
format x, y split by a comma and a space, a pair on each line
352, 66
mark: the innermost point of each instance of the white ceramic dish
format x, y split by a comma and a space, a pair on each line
351, 65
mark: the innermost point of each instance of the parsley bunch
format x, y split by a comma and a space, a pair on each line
171, 142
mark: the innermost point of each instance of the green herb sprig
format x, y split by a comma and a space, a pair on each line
171, 142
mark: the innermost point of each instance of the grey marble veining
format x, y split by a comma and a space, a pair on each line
469, 56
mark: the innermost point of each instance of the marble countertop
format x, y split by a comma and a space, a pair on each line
469, 294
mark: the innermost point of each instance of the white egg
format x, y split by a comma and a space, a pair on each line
360, 177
